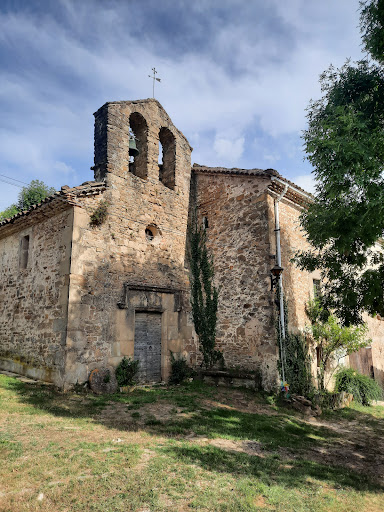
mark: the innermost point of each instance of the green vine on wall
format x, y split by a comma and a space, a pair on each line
297, 360
204, 294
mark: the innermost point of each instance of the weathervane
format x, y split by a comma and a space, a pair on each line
154, 78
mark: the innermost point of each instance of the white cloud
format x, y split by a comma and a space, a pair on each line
271, 157
254, 75
228, 150
305, 181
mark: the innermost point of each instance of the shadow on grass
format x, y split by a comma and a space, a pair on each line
270, 470
360, 414
277, 431
273, 431
305, 442
45, 398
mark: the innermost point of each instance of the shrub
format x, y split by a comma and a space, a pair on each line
363, 388
298, 365
126, 371
179, 370
295, 357
100, 214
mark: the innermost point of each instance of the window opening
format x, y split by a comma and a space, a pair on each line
133, 151
138, 145
149, 234
205, 223
24, 250
316, 288
152, 232
167, 157
160, 154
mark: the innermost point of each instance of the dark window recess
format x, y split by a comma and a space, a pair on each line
149, 235
24, 250
167, 157
318, 356
316, 288
205, 223
138, 133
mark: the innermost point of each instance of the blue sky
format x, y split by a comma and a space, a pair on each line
236, 76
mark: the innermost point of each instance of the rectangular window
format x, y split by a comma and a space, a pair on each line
24, 249
316, 288
319, 354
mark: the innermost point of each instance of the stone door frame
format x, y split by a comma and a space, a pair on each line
148, 298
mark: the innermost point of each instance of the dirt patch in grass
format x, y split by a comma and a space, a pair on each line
182, 448
125, 417
239, 400
356, 446
351, 444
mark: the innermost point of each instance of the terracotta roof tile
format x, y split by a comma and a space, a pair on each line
236, 171
295, 193
65, 194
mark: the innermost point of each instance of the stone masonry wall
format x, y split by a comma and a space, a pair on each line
34, 300
297, 284
106, 257
371, 359
237, 234
298, 289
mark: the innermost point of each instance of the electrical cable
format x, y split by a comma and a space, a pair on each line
10, 183
13, 179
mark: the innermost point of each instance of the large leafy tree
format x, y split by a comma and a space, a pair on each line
345, 144
32, 194
9, 212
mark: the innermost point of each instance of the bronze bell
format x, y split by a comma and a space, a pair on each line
133, 151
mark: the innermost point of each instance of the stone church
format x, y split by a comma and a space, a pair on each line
98, 272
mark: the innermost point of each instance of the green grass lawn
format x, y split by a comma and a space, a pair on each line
183, 448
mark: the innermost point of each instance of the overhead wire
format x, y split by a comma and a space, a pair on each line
13, 179
91, 210
10, 183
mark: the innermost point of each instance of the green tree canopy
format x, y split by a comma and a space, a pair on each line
9, 212
32, 194
345, 144
372, 28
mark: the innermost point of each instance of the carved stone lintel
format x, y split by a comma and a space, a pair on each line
150, 296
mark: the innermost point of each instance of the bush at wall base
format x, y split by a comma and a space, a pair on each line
180, 370
363, 388
126, 372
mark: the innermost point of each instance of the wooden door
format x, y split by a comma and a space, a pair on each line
147, 348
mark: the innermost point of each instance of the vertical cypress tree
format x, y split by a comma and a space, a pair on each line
204, 294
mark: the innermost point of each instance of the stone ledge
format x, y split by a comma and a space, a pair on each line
230, 378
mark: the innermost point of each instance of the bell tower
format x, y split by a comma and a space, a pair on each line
128, 138
145, 162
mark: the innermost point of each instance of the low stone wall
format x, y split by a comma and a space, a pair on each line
231, 378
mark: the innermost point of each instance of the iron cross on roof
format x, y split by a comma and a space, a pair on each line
154, 79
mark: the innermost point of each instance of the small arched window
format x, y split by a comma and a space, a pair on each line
167, 158
138, 128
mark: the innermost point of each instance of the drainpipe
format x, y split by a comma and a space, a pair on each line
281, 291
